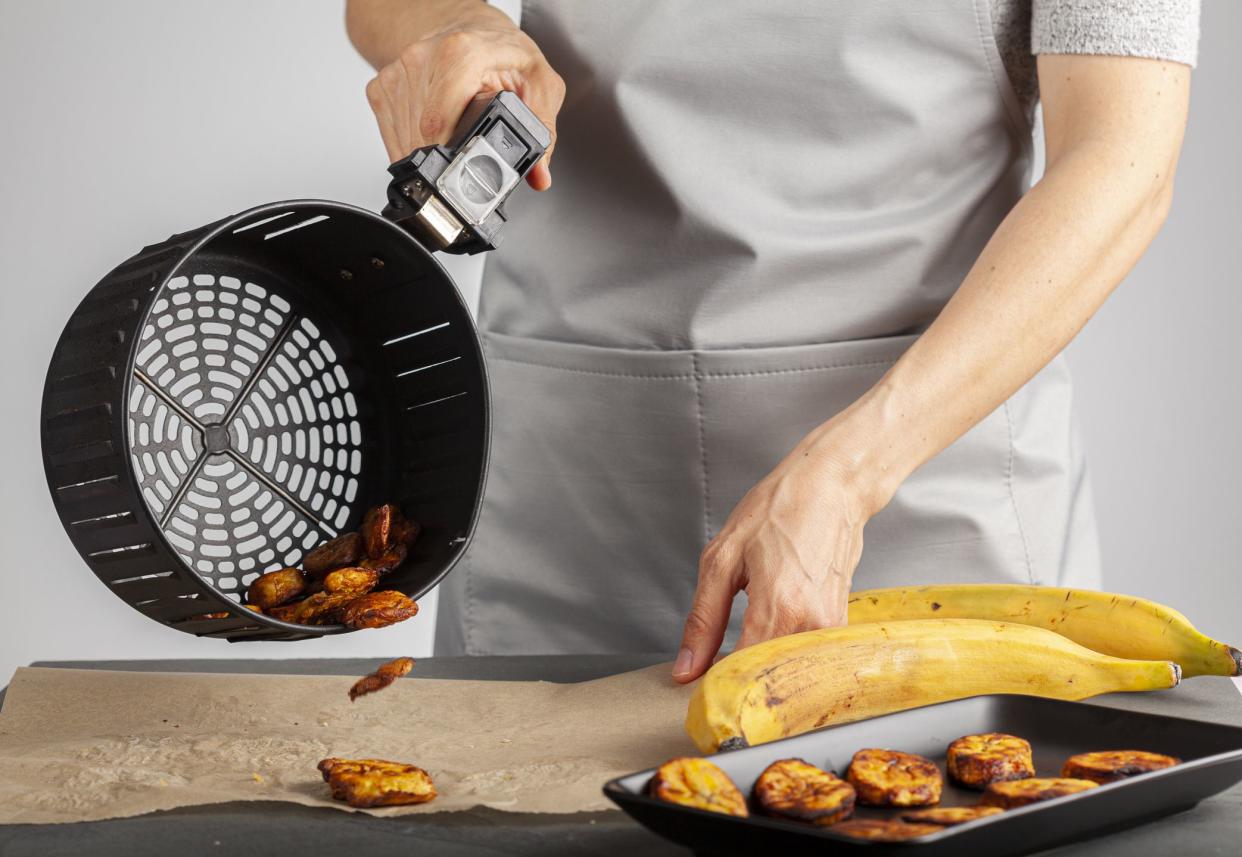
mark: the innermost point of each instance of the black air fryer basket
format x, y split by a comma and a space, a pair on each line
223, 402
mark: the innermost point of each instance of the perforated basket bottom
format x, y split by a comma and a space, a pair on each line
242, 428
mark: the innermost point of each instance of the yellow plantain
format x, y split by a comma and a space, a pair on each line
1119, 625
820, 678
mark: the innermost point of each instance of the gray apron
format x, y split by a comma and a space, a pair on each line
757, 208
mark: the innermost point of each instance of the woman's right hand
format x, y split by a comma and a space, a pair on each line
419, 97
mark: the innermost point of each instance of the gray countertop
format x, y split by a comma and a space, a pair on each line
1214, 827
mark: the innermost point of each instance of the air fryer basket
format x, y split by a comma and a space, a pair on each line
221, 403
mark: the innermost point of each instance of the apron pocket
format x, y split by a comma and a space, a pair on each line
952, 520
592, 522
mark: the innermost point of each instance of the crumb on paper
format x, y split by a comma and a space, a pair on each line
257, 777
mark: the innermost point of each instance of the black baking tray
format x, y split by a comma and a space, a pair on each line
1211, 754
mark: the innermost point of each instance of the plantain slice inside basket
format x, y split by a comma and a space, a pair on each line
388, 560
976, 761
884, 829
893, 778
350, 581
1015, 793
378, 610
1109, 766
322, 608
339, 552
366, 783
947, 816
796, 789
697, 783
275, 588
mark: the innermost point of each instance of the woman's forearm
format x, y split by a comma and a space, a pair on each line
1114, 129
382, 29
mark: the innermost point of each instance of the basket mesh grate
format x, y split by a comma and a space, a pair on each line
242, 428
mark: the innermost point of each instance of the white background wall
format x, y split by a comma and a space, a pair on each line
125, 121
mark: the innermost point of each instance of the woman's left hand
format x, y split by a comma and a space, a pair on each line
791, 545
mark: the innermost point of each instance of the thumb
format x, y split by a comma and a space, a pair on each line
540, 177
709, 615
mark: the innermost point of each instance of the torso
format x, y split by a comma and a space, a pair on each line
756, 208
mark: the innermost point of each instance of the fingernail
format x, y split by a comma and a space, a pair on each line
685, 660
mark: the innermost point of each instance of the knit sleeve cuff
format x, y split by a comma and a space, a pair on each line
1157, 29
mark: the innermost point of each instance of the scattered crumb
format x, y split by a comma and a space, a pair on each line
257, 778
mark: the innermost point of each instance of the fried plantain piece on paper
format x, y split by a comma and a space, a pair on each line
884, 830
1109, 766
977, 761
336, 553
796, 789
697, 783
276, 587
947, 816
385, 675
893, 778
367, 783
1015, 793
378, 610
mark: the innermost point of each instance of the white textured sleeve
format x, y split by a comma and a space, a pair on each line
1158, 29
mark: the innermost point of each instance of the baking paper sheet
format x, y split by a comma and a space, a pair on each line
81, 745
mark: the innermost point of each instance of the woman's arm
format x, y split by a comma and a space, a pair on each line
433, 56
1113, 130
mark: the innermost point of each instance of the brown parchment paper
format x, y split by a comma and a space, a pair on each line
81, 745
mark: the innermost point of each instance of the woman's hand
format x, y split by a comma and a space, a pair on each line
791, 544
455, 51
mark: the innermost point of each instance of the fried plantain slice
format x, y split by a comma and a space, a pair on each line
377, 530
389, 560
366, 783
276, 588
405, 531
976, 761
1015, 793
1109, 766
947, 816
793, 788
385, 675
353, 581
336, 553
322, 608
378, 610
893, 778
884, 830
697, 783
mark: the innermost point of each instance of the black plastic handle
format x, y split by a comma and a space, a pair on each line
420, 202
